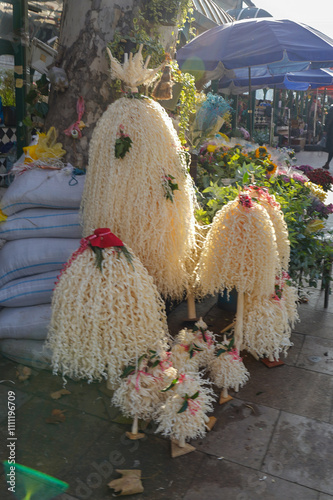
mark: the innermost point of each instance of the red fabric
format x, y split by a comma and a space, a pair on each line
103, 238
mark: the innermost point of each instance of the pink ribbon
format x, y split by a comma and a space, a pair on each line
75, 126
166, 363
235, 354
141, 372
193, 406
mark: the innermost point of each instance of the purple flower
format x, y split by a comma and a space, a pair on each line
299, 178
305, 169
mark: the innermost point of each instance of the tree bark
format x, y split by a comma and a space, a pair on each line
86, 28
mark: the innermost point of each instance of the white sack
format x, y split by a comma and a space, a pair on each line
43, 189
26, 352
41, 223
31, 256
25, 322
29, 291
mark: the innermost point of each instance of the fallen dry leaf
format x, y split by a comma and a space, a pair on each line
128, 484
58, 394
57, 416
23, 373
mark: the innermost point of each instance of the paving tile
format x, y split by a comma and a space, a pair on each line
297, 340
301, 451
241, 434
91, 398
317, 355
8, 371
220, 479
323, 496
49, 447
318, 323
163, 477
288, 388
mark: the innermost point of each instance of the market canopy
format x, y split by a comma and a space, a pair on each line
281, 45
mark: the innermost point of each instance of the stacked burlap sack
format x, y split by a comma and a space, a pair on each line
40, 229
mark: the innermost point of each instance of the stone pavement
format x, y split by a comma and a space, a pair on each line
273, 440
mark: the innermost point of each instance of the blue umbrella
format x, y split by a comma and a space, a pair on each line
281, 45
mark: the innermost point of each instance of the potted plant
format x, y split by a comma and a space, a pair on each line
7, 93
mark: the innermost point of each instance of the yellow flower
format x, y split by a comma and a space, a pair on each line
261, 151
211, 148
316, 191
3, 217
271, 168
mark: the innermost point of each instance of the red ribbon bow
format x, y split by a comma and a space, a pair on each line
103, 238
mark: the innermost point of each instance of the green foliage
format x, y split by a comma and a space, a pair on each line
36, 100
171, 12
218, 163
131, 43
261, 136
187, 99
7, 87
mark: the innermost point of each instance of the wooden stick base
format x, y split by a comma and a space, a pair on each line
223, 399
134, 437
178, 451
271, 364
211, 423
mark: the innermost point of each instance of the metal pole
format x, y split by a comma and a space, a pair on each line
250, 111
315, 115
21, 41
271, 131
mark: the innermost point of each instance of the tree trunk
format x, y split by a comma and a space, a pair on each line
86, 28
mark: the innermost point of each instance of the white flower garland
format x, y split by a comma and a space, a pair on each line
127, 194
139, 395
190, 423
101, 320
240, 251
227, 370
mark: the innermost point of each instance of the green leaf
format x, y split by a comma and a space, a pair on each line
195, 395
174, 382
127, 371
99, 257
184, 407
219, 352
128, 256
141, 358
31, 96
41, 109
